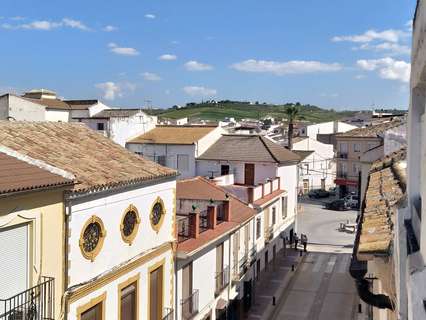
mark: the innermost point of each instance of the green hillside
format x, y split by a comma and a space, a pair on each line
238, 110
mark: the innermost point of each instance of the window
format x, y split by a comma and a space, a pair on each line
128, 297
306, 170
156, 293
182, 162
130, 224
93, 310
100, 126
274, 215
357, 147
258, 227
157, 214
343, 147
160, 160
224, 170
92, 237
284, 207
355, 168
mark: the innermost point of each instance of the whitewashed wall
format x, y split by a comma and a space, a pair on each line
110, 210
123, 129
289, 182
171, 152
21, 109
57, 115
206, 142
111, 290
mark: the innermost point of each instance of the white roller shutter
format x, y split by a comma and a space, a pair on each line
13, 261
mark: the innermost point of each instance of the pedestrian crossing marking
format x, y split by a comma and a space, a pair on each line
318, 263
344, 264
330, 264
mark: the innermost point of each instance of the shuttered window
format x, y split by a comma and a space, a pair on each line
14, 261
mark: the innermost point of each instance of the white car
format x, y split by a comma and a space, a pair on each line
352, 200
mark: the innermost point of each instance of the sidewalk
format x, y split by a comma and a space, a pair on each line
272, 282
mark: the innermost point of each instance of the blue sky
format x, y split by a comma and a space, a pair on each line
332, 53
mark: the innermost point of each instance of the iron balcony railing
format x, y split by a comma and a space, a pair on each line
342, 155
252, 254
222, 280
240, 268
36, 303
189, 305
342, 175
168, 314
269, 234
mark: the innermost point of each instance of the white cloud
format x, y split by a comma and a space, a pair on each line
387, 68
17, 18
389, 47
167, 57
124, 51
389, 35
329, 95
197, 66
150, 16
199, 91
110, 90
409, 25
151, 76
359, 76
45, 25
289, 67
109, 28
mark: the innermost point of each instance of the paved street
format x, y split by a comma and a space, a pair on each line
321, 287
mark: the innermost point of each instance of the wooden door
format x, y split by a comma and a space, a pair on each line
156, 294
249, 174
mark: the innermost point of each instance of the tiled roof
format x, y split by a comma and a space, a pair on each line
372, 131
199, 188
248, 148
173, 135
384, 191
95, 161
17, 175
303, 154
62, 104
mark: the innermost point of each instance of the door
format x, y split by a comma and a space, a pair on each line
266, 259
94, 313
247, 295
156, 294
274, 251
249, 174
128, 302
305, 186
224, 170
257, 269
187, 289
323, 184
14, 261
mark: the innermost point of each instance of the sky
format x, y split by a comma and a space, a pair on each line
337, 54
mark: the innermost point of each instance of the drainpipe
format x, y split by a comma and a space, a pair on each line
67, 212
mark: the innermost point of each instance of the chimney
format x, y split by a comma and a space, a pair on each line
227, 210
211, 217
194, 223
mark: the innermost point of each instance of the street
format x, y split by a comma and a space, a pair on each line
322, 287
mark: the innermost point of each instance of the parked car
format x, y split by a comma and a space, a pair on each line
332, 191
338, 205
352, 200
318, 193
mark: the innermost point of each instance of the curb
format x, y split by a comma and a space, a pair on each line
270, 310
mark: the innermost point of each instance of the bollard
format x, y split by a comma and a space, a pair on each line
292, 267
300, 253
359, 308
273, 301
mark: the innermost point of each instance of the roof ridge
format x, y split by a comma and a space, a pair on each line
267, 148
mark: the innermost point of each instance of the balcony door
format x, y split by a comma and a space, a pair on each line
156, 294
187, 288
249, 174
14, 261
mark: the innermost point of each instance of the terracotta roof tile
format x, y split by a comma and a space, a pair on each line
17, 175
372, 131
174, 135
200, 188
94, 160
249, 148
382, 196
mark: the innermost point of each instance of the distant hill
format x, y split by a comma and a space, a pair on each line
216, 111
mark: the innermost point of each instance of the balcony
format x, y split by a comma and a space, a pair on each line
342, 175
36, 303
269, 234
168, 314
342, 155
240, 268
189, 306
252, 255
222, 280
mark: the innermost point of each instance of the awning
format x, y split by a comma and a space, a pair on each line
221, 304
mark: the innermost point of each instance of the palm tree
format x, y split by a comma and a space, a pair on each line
293, 113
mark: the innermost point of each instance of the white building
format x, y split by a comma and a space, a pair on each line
317, 169
43, 105
176, 147
119, 222
324, 128
247, 164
